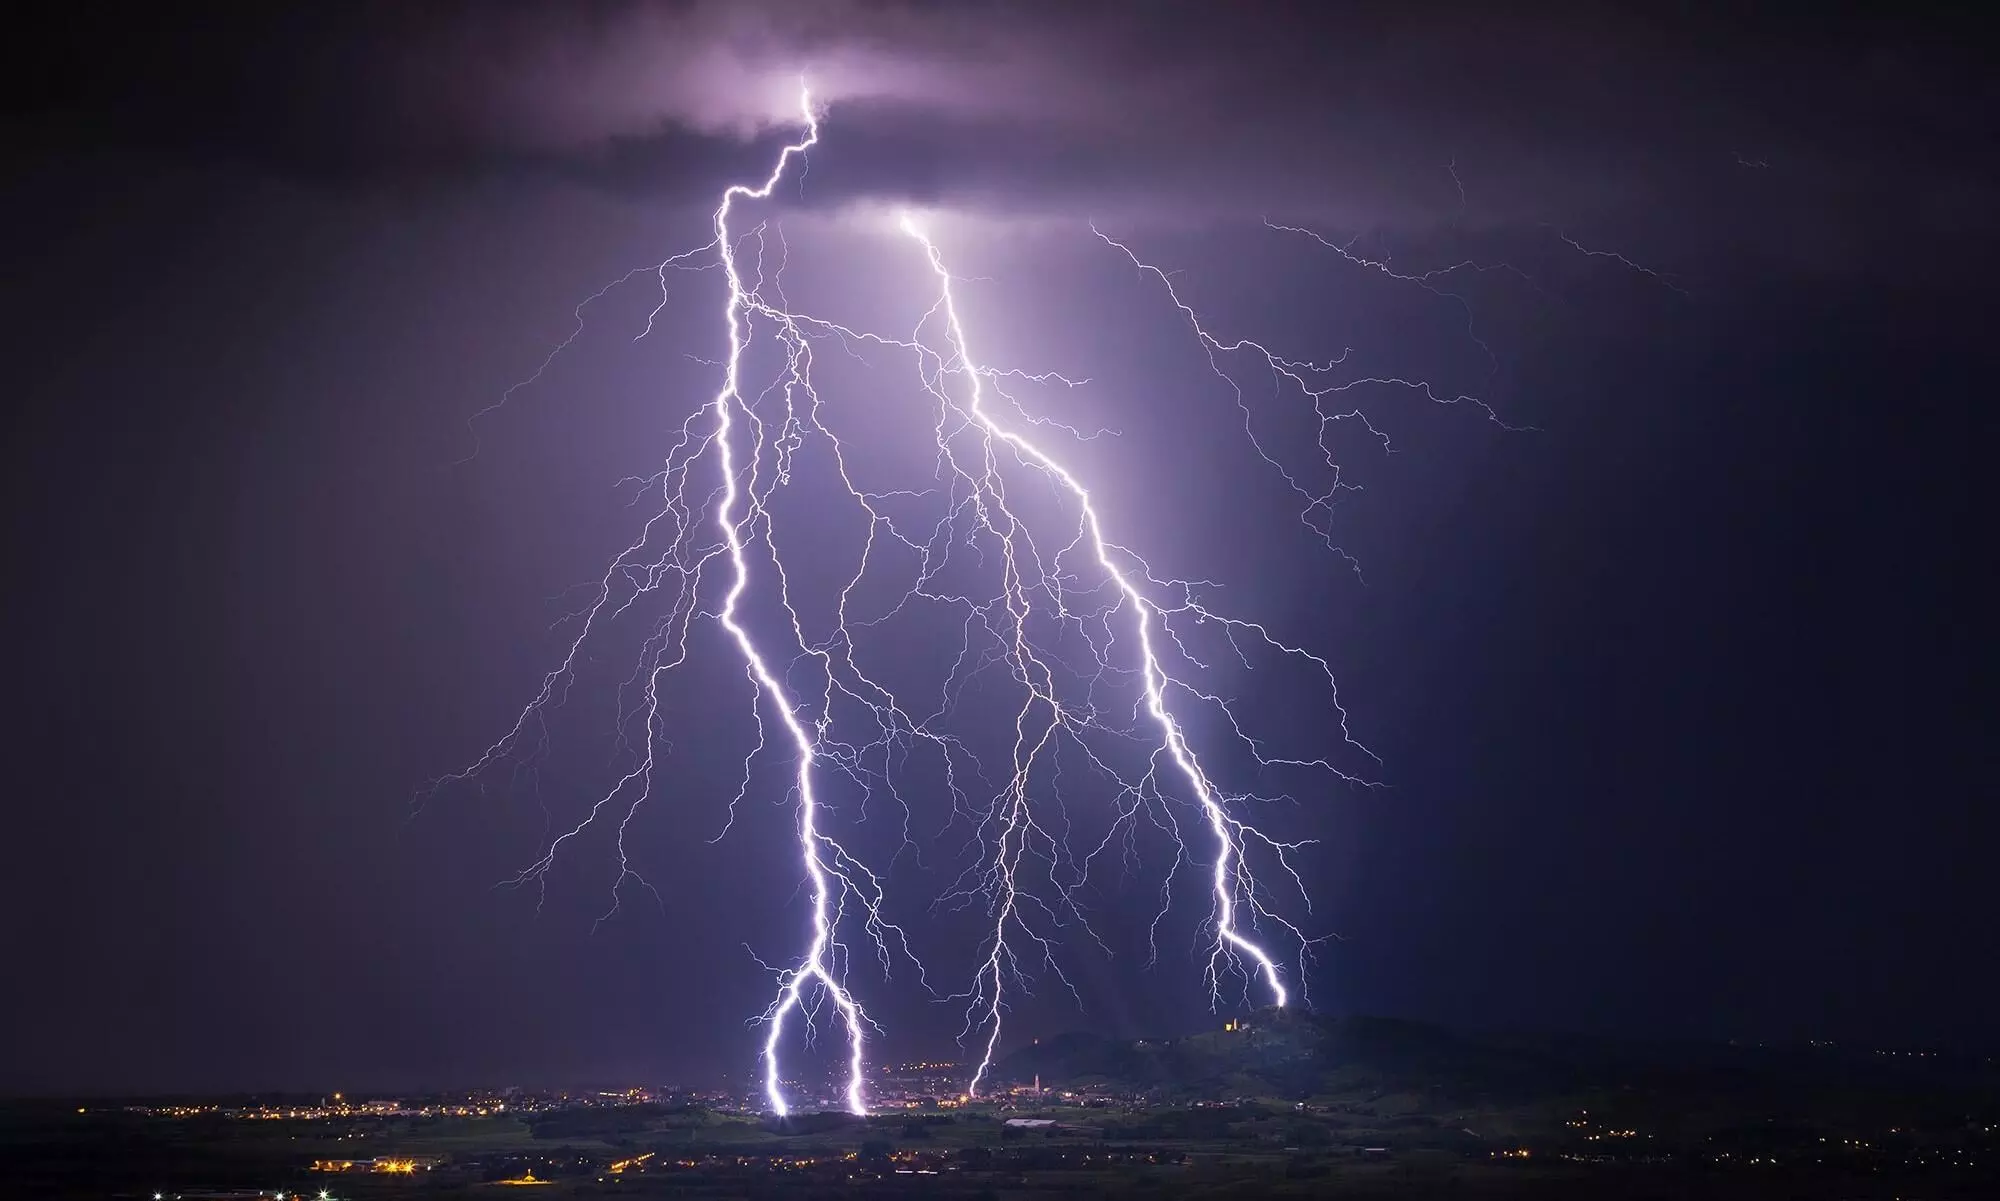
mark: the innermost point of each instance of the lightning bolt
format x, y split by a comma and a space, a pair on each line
1231, 884
1101, 658
823, 858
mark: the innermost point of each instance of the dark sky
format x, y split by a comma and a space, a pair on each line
1677, 694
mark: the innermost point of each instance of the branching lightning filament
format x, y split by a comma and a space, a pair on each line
1100, 664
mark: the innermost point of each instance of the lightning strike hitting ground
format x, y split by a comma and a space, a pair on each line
1100, 654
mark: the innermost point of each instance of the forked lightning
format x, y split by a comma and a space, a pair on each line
1101, 658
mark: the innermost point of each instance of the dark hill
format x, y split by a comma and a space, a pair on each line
1286, 1054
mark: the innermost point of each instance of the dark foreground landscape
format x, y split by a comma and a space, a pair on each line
1281, 1105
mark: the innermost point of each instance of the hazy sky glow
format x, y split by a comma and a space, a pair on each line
268, 268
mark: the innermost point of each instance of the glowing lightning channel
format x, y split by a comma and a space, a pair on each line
1227, 878
816, 968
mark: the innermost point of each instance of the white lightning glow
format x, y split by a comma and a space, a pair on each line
1227, 881
816, 967
1055, 613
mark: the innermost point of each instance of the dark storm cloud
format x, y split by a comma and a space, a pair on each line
1345, 114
